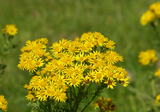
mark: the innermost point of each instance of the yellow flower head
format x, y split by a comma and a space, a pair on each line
151, 14
3, 103
148, 16
146, 56
155, 7
11, 29
157, 73
157, 100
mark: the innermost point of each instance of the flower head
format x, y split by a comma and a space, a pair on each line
148, 16
151, 14
146, 56
3, 103
157, 100
157, 73
10, 29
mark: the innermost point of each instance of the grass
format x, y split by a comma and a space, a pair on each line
119, 20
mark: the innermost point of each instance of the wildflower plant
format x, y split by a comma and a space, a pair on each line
8, 33
152, 16
65, 75
6, 45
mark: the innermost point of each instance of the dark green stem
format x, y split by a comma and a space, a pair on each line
78, 98
153, 88
158, 34
49, 104
70, 100
81, 96
67, 98
43, 107
96, 93
86, 92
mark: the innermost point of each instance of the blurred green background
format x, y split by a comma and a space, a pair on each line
119, 20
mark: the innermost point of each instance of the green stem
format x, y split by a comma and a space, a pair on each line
44, 108
70, 100
74, 91
85, 93
49, 104
67, 99
96, 93
157, 33
89, 102
153, 88
80, 96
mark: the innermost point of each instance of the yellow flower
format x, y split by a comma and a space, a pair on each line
110, 83
96, 105
30, 97
25, 86
157, 73
11, 29
124, 81
157, 100
98, 77
148, 16
110, 44
146, 56
75, 80
112, 57
60, 96
155, 7
41, 95
3, 103
70, 64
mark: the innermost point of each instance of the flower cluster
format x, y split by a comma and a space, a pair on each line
47, 87
10, 30
155, 7
146, 56
105, 105
89, 59
157, 73
157, 100
151, 14
3, 103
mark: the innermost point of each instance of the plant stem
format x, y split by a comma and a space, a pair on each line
153, 88
89, 102
70, 100
80, 96
67, 99
44, 108
96, 93
86, 92
49, 105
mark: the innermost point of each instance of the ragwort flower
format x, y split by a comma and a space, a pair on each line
10, 29
145, 57
70, 64
3, 103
